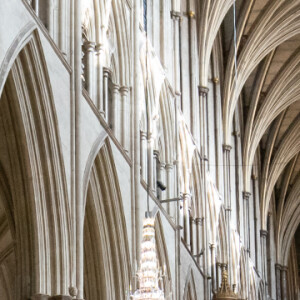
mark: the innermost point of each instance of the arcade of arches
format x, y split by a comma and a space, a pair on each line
191, 104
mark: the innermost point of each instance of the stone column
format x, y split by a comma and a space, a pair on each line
203, 91
199, 228
89, 74
186, 218
116, 112
176, 16
125, 118
99, 71
246, 196
62, 27
193, 66
278, 281
144, 155
170, 188
284, 294
227, 201
263, 241
106, 74
36, 7
162, 178
213, 266
150, 162
155, 169
193, 235
218, 275
50, 18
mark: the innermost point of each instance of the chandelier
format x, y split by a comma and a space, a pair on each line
225, 292
148, 273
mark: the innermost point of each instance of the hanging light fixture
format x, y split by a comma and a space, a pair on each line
225, 292
148, 273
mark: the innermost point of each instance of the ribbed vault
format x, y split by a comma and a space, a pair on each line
267, 85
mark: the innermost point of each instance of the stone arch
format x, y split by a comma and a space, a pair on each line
106, 252
34, 171
190, 288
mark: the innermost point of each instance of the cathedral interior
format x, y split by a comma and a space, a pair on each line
149, 149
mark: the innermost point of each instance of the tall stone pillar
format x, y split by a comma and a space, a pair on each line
50, 17
218, 274
186, 218
278, 281
106, 74
89, 74
193, 63
263, 241
144, 155
155, 169
99, 71
227, 200
246, 196
116, 111
284, 293
150, 161
203, 91
170, 188
162, 178
200, 244
126, 132
213, 266
193, 235
36, 7
176, 16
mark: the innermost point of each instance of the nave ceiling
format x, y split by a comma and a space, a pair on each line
268, 81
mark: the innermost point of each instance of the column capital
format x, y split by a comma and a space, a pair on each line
99, 48
106, 71
284, 269
115, 87
278, 267
193, 220
227, 147
169, 166
143, 134
263, 233
212, 246
156, 153
203, 90
246, 195
175, 15
186, 195
124, 90
162, 165
89, 46
199, 221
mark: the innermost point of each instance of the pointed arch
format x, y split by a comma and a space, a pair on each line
105, 236
190, 287
32, 160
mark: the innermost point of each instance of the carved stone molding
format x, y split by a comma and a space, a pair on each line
203, 90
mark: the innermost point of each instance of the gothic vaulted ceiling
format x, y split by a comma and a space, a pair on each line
268, 82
